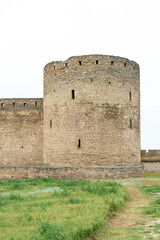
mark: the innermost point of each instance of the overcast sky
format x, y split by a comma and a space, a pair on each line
35, 32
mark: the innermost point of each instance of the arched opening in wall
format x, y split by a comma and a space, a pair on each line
130, 123
25, 104
130, 96
2, 104
73, 94
80, 63
65, 64
97, 62
36, 103
112, 62
14, 104
79, 143
125, 64
50, 123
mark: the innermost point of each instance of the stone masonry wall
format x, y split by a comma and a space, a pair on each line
151, 161
70, 172
21, 132
87, 125
92, 112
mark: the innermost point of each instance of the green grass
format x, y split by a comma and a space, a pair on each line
46, 209
154, 206
152, 175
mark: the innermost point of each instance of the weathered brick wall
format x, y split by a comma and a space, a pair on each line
21, 136
92, 112
151, 161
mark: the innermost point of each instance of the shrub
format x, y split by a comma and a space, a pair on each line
17, 186
5, 199
157, 201
151, 189
47, 231
14, 197
101, 188
75, 201
150, 210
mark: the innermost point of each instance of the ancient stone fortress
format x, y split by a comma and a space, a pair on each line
86, 126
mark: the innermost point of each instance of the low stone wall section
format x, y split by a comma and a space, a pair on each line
70, 172
151, 161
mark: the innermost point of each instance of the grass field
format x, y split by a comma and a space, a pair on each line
48, 209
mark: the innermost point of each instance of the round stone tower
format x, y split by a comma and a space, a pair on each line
92, 116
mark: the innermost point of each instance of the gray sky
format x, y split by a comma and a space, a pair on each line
35, 32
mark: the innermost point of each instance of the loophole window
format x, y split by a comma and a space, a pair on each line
130, 123
50, 123
79, 143
73, 94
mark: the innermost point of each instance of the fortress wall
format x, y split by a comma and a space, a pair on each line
151, 161
21, 132
92, 112
150, 155
70, 172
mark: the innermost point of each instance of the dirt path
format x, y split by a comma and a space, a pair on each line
129, 215
122, 224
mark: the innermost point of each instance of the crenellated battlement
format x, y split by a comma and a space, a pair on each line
92, 62
150, 155
18, 104
151, 161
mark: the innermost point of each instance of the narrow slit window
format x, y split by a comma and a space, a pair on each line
25, 104
54, 67
14, 104
112, 62
97, 62
80, 63
50, 123
79, 143
73, 94
130, 96
130, 123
